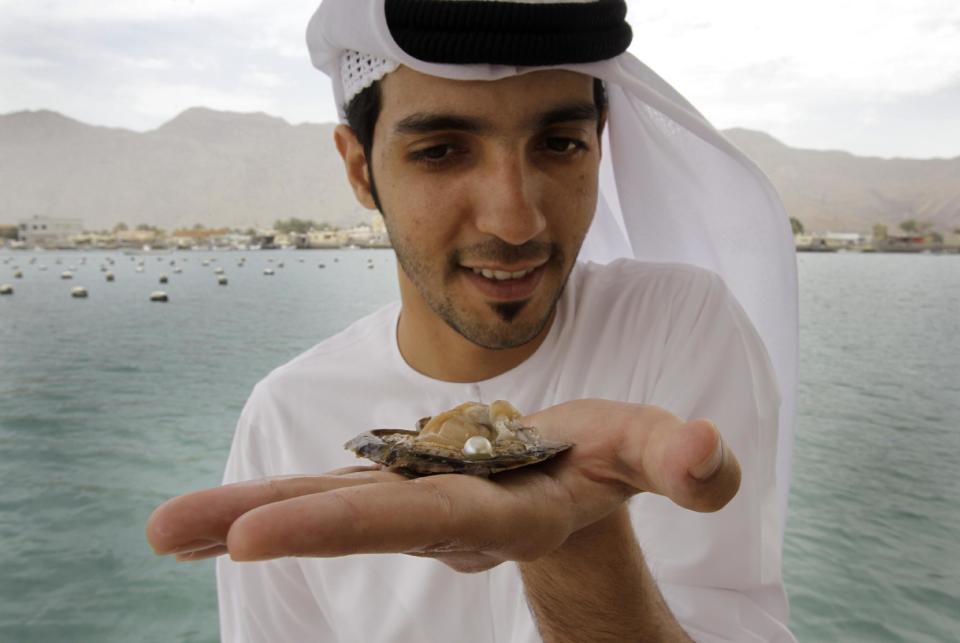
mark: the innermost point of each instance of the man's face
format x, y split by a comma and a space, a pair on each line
487, 189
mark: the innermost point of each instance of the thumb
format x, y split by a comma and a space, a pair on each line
689, 463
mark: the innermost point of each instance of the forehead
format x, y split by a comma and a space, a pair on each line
406, 91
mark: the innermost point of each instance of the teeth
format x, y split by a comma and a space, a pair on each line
500, 275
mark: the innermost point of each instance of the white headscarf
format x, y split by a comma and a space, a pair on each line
672, 188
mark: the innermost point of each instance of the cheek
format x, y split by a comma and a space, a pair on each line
575, 200
421, 202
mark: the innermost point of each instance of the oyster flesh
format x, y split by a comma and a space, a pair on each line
472, 438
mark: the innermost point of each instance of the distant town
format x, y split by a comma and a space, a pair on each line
50, 233
909, 236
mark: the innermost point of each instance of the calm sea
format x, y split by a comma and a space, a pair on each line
111, 404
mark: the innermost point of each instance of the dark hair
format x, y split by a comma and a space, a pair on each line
363, 110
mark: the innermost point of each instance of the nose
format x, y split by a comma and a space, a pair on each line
507, 204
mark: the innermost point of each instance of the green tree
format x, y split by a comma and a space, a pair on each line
199, 226
294, 225
910, 225
796, 225
120, 227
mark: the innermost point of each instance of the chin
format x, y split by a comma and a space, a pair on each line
503, 326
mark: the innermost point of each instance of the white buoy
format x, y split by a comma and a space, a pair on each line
66, 274
177, 271
78, 291
6, 289
218, 271
268, 271
109, 276
18, 275
163, 279
43, 268
280, 265
222, 281
205, 263
321, 266
159, 295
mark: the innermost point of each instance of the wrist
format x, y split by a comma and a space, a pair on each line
596, 587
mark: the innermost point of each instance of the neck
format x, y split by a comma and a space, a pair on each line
431, 347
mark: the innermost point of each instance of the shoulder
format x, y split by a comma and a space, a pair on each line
663, 289
635, 274
355, 349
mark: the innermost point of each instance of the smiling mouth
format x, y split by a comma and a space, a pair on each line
502, 275
505, 285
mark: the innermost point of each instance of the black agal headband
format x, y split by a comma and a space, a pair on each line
509, 33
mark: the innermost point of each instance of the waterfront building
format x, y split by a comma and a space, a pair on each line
321, 239
139, 238
48, 232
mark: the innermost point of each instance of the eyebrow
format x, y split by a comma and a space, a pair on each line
429, 122
568, 113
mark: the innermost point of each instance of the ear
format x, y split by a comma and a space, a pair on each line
355, 163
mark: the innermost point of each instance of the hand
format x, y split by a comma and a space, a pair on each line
469, 523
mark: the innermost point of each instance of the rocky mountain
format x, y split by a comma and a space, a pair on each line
837, 191
241, 170
214, 168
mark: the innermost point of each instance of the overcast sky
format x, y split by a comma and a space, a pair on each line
875, 77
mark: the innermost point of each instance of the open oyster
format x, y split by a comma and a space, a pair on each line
472, 438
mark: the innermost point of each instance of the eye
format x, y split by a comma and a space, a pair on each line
563, 145
433, 154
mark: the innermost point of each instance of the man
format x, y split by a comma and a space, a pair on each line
487, 161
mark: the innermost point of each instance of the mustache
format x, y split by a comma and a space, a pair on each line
499, 251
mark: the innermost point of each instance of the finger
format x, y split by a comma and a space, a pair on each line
203, 554
689, 463
203, 518
356, 469
463, 562
445, 513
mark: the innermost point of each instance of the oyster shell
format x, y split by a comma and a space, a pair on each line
472, 438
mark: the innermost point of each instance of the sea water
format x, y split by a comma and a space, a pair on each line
111, 404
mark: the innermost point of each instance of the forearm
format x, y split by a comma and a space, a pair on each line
597, 588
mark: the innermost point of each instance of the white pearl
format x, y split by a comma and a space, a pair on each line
478, 447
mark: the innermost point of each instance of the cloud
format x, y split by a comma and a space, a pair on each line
138, 64
817, 73
820, 74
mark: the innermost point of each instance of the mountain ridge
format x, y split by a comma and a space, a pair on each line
229, 169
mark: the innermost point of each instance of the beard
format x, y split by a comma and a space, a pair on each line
434, 281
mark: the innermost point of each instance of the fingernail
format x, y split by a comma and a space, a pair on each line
711, 465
